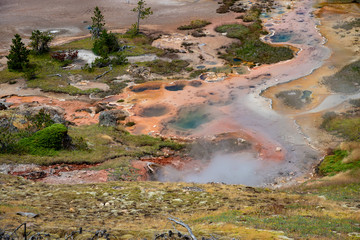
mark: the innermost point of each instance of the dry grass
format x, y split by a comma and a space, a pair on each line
140, 209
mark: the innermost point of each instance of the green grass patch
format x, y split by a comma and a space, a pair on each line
333, 164
103, 143
294, 226
7, 76
234, 30
167, 68
337, 192
195, 24
85, 43
257, 51
344, 126
251, 48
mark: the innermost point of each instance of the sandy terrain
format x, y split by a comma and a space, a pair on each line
71, 18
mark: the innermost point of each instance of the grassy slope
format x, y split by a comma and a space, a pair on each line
104, 143
140, 209
46, 67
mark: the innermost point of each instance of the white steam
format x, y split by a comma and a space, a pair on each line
240, 168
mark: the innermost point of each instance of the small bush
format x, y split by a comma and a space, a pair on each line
132, 32
119, 59
39, 121
101, 62
46, 141
88, 67
106, 44
29, 72
252, 14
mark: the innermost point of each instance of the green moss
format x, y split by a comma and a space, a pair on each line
167, 68
333, 164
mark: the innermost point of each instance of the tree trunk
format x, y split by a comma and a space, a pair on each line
138, 23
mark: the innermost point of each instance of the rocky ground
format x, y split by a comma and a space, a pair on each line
218, 210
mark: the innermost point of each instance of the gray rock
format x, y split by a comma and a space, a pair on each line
56, 113
28, 214
111, 118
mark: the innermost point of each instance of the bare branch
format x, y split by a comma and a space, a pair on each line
181, 223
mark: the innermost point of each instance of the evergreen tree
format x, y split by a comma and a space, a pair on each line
98, 23
40, 41
105, 44
142, 12
18, 56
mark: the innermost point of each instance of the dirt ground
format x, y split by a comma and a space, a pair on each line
71, 18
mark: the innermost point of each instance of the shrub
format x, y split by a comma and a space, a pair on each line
39, 121
252, 14
133, 31
46, 141
119, 59
102, 62
29, 72
105, 44
88, 67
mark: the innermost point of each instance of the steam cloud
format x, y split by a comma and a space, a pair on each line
240, 168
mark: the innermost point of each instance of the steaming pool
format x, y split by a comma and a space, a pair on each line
190, 118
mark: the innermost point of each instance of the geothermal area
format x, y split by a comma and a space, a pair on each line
212, 96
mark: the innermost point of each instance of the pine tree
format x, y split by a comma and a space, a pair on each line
40, 41
142, 12
18, 56
98, 23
